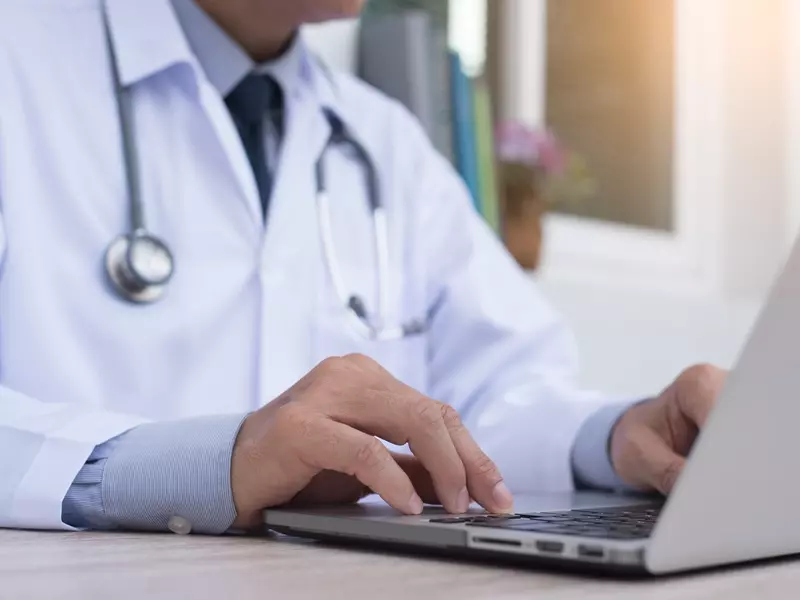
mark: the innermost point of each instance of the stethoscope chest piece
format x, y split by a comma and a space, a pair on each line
139, 267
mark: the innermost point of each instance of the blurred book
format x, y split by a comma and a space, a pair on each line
489, 204
464, 132
404, 52
404, 55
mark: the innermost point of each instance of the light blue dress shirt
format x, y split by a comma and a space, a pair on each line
145, 477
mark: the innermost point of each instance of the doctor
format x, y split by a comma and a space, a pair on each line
226, 272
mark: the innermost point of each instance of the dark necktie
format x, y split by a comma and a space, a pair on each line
256, 100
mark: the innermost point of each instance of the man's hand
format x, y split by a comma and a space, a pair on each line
318, 443
650, 443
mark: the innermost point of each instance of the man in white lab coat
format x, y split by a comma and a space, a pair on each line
245, 387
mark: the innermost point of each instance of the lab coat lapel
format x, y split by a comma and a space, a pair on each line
291, 255
307, 133
233, 149
148, 39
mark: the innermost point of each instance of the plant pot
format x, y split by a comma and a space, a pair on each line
523, 238
523, 209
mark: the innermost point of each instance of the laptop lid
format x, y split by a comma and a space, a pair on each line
738, 497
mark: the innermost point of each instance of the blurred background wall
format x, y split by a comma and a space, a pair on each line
682, 122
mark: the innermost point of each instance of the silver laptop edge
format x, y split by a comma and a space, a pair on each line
734, 502
378, 523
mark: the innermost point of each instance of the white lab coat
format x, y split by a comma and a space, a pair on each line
248, 312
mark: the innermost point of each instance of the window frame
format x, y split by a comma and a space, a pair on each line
583, 248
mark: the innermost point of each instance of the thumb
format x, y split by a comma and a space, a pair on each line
660, 465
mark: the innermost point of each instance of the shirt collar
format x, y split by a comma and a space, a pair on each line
147, 38
150, 36
226, 64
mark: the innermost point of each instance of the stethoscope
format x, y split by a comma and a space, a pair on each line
139, 265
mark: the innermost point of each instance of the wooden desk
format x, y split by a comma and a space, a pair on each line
85, 566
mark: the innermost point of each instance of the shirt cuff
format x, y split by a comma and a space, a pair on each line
82, 507
157, 471
591, 455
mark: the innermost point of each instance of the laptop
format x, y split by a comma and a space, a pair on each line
736, 501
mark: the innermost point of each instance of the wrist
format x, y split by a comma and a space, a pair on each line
619, 441
591, 454
243, 466
255, 469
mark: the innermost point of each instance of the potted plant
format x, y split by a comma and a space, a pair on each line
537, 173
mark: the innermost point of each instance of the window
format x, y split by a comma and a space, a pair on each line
712, 199
610, 98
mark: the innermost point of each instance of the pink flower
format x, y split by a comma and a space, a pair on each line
538, 148
552, 155
515, 143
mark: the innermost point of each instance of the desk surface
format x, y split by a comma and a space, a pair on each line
84, 566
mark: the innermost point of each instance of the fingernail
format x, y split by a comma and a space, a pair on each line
502, 497
415, 505
462, 501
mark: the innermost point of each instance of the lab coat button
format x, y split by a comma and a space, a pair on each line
179, 525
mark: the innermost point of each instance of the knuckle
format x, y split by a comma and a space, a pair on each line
704, 376
429, 413
367, 367
450, 417
329, 377
700, 385
335, 366
330, 366
484, 467
369, 455
360, 362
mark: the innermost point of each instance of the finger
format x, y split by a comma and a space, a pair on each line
697, 392
368, 398
659, 466
419, 476
485, 483
337, 447
430, 441
332, 488
400, 415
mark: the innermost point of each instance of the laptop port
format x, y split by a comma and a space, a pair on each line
550, 547
496, 541
595, 552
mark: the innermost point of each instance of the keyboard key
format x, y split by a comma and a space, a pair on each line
612, 523
494, 518
474, 519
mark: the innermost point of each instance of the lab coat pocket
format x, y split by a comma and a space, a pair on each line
405, 359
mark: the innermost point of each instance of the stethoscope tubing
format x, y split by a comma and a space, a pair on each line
134, 286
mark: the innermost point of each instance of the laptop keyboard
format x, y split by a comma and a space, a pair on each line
628, 523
